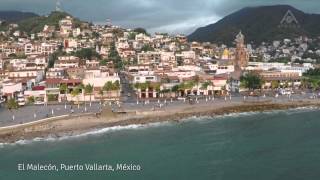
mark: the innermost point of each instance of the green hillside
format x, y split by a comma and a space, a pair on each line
258, 24
36, 24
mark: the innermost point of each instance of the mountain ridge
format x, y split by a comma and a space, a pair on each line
258, 24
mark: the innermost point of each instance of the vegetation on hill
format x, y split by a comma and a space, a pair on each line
15, 16
140, 31
35, 24
115, 57
86, 53
258, 24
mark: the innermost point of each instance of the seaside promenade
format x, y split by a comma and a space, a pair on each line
37, 112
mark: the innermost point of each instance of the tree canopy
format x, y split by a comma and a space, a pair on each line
111, 86
140, 30
251, 81
87, 53
12, 104
115, 57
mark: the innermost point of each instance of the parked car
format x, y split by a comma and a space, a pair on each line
20, 99
285, 92
2, 100
38, 102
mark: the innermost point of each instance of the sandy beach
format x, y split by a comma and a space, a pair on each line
73, 125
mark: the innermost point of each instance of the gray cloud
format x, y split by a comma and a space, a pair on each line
156, 15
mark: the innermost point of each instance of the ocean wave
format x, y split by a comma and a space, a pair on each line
157, 124
87, 134
253, 113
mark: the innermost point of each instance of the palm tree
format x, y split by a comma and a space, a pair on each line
304, 83
286, 84
75, 93
64, 88
110, 86
82, 89
101, 95
274, 84
183, 87
315, 84
196, 81
12, 104
116, 86
88, 89
206, 84
175, 89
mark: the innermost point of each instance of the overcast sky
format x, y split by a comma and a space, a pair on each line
173, 16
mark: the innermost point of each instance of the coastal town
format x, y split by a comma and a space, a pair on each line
146, 89
77, 67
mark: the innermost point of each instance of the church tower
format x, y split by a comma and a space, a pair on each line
241, 55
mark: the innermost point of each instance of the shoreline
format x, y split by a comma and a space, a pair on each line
77, 125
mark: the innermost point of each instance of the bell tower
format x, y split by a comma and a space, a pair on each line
241, 55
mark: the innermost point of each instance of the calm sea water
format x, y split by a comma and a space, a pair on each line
257, 146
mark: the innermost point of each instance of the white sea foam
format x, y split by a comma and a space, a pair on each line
141, 126
90, 133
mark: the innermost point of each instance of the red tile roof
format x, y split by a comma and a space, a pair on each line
38, 88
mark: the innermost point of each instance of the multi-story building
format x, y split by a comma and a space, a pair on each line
67, 62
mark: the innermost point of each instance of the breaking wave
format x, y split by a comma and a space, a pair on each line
142, 126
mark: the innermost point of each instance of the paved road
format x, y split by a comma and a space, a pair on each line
37, 112
127, 89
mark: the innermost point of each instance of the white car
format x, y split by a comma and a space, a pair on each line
286, 92
39, 103
21, 100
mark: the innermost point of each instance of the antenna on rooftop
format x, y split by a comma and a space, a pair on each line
58, 5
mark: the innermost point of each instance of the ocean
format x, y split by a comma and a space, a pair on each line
273, 145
